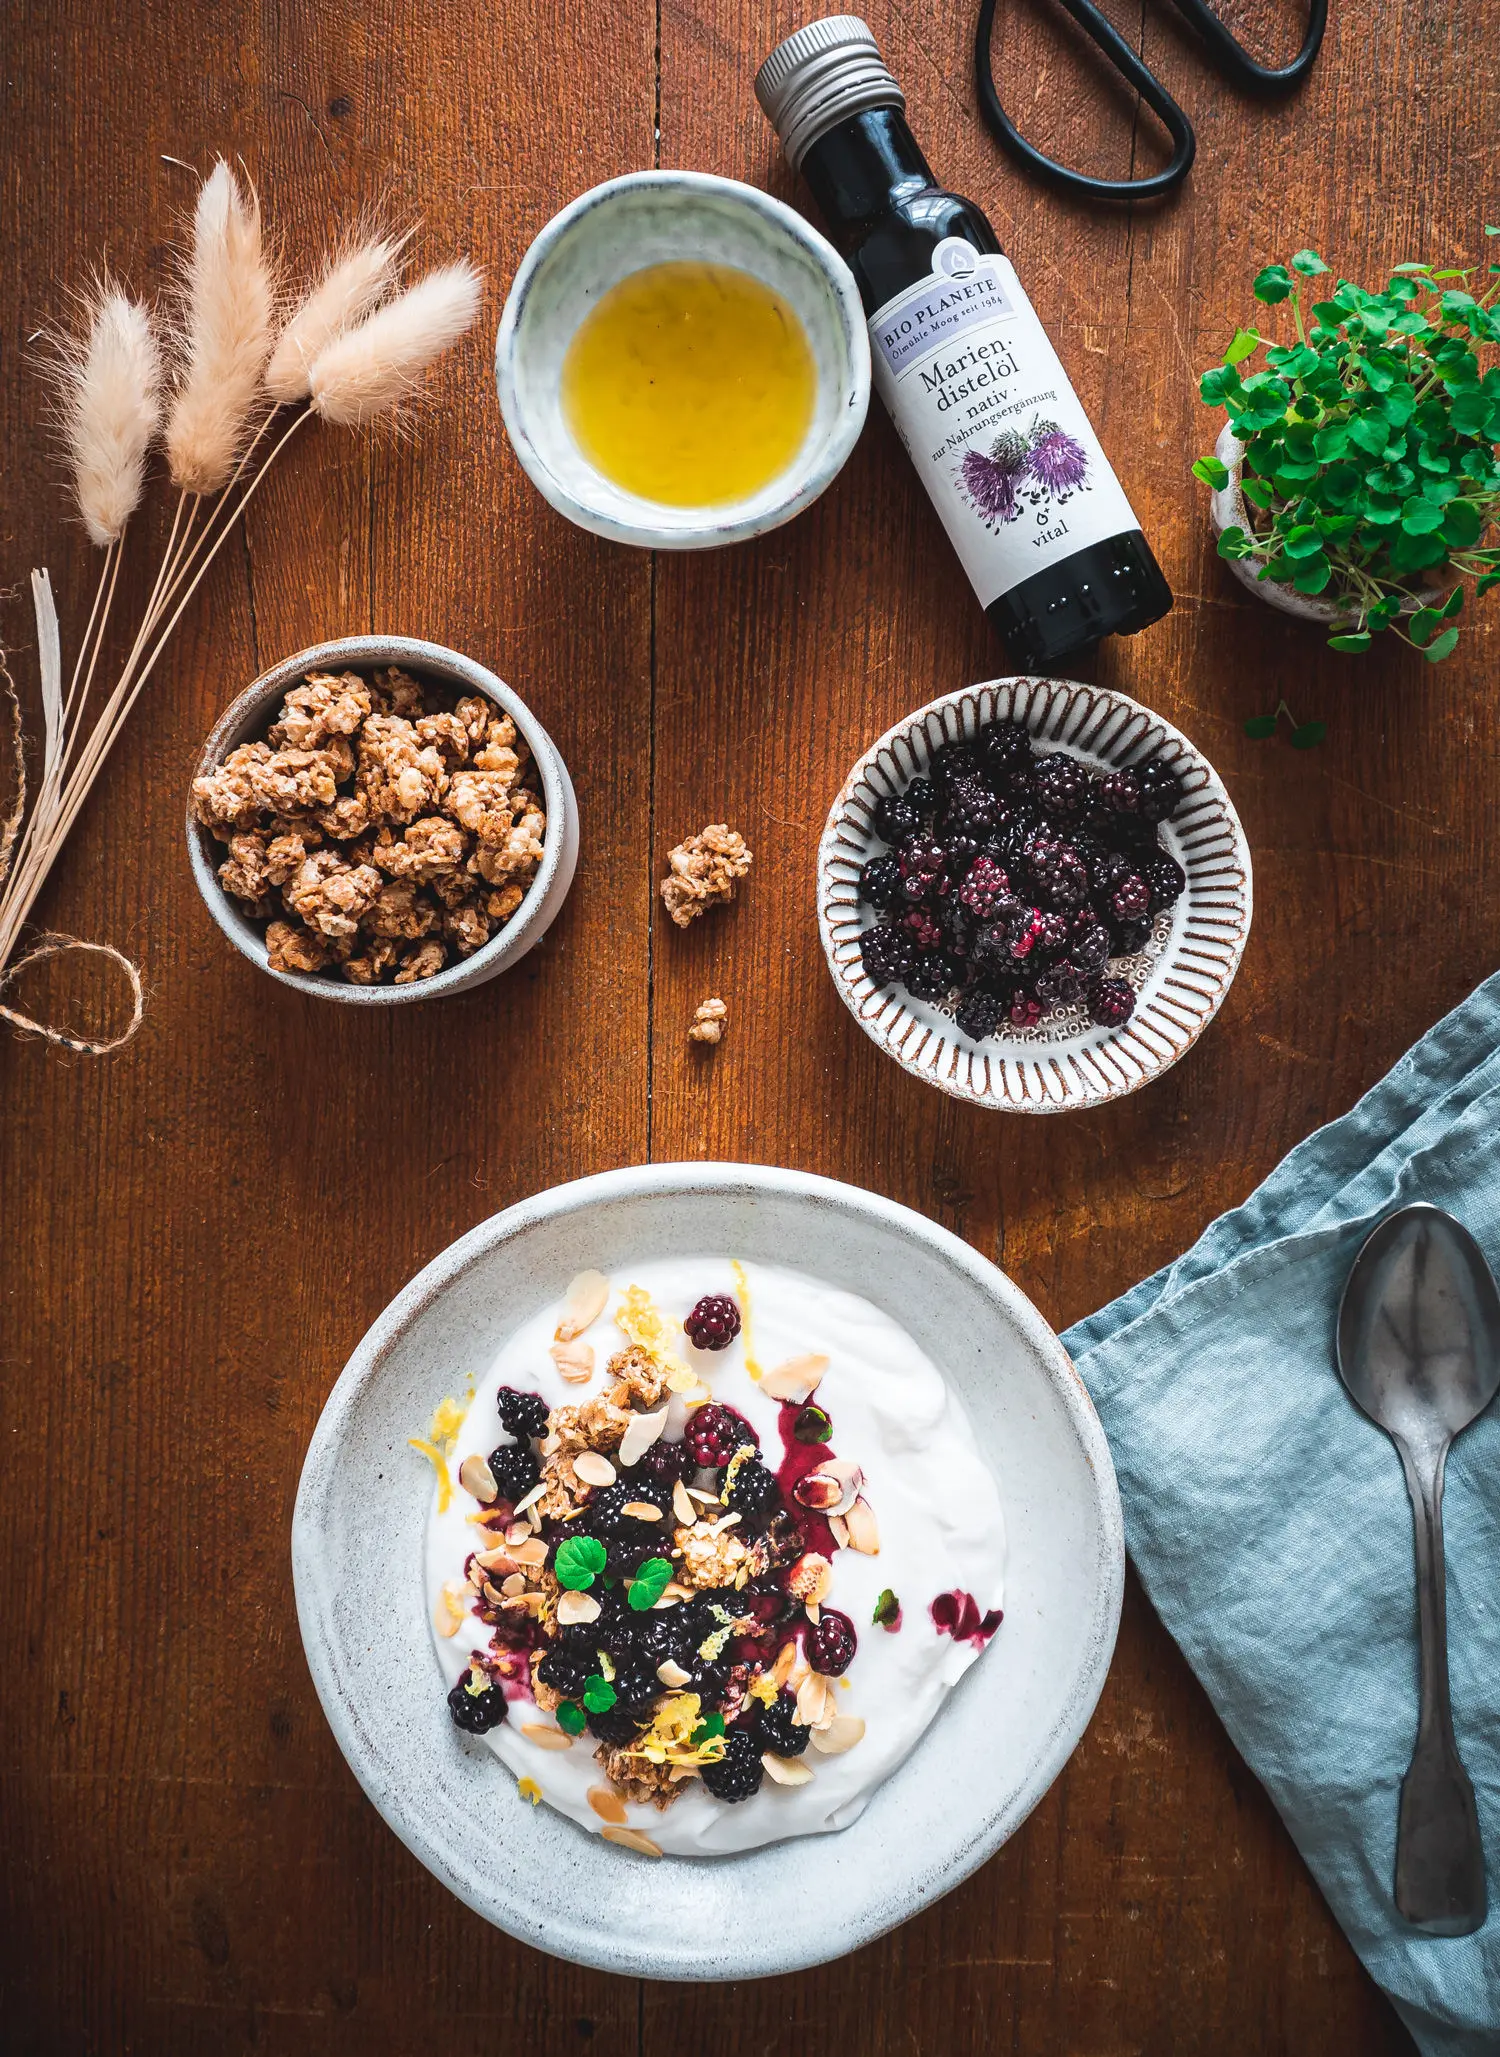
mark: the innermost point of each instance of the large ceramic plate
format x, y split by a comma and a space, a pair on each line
980, 1768
1181, 976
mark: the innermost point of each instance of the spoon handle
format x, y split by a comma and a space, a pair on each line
1439, 1858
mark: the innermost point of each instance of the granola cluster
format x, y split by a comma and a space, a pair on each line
661, 1599
379, 833
704, 872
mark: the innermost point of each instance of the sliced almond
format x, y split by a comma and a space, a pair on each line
813, 1612
545, 1736
832, 1488
781, 1670
619, 1395
641, 1510
838, 1528
631, 1839
841, 1734
518, 1532
672, 1674
798, 1379
531, 1498
448, 1616
516, 1583
492, 1593
575, 1363
608, 1805
594, 1469
682, 1506
725, 1521
813, 1701
583, 1306
574, 1607
499, 1559
475, 1476
533, 1552
862, 1529
786, 1771
640, 1435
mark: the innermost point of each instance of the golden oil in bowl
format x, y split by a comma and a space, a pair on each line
690, 383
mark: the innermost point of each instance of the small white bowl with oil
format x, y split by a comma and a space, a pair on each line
682, 361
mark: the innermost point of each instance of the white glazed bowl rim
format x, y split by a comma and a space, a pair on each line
869, 1903
544, 896
805, 481
1093, 1065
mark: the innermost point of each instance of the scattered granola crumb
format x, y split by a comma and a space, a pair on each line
704, 872
708, 1022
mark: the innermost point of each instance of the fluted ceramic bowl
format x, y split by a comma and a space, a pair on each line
975, 1774
1180, 978
251, 715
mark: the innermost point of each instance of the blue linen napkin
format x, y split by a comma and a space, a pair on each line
1269, 1522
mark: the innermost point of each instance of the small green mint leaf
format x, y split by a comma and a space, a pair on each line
571, 1718
1260, 726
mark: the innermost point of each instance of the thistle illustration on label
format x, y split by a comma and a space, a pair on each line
984, 407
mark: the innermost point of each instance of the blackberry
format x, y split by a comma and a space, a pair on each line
738, 1773
984, 884
1111, 1002
626, 1538
978, 1014
1062, 786
922, 857
566, 1671
952, 763
753, 1489
522, 1415
922, 795
991, 949
714, 1322
516, 1470
476, 1713
1129, 938
885, 951
1131, 898
1051, 933
714, 1433
779, 1732
880, 882
1088, 946
962, 850
1059, 873
1120, 791
957, 923
831, 1643
1005, 744
923, 929
933, 975
664, 1464
1165, 880
970, 808
635, 1682
1025, 1011
1107, 870
1161, 790
916, 889
1061, 984
896, 818
615, 1725
658, 1637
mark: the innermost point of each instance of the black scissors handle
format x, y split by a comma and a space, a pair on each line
1232, 58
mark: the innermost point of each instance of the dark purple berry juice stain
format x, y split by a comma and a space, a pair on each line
797, 1460
957, 1614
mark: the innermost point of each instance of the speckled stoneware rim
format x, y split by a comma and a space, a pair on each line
1188, 967
997, 1745
248, 716
704, 203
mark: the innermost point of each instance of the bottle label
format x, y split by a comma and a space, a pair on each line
984, 407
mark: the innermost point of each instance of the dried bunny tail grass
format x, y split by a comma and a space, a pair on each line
372, 368
108, 384
226, 334
353, 283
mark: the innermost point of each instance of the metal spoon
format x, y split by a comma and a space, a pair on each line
1419, 1349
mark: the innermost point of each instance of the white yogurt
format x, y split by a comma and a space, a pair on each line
935, 1500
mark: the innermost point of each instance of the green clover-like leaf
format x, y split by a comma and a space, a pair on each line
1246, 342
888, 1607
812, 1425
571, 1718
1260, 726
1463, 524
1273, 284
598, 1694
580, 1559
650, 1582
1442, 647
1352, 643
1212, 471
1309, 735
711, 1725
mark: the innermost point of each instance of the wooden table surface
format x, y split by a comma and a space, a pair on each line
195, 1233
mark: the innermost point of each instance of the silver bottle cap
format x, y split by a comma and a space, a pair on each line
820, 76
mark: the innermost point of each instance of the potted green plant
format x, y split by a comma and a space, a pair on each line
1355, 480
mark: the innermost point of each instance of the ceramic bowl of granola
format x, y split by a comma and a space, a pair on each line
1034, 894
718, 1544
379, 820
